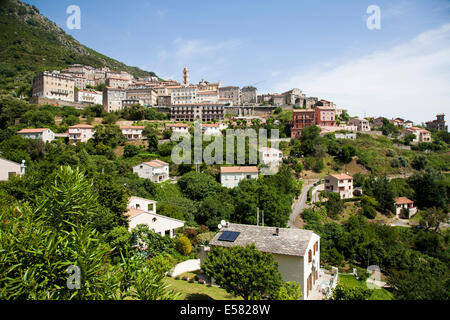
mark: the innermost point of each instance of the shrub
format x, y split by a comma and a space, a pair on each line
184, 245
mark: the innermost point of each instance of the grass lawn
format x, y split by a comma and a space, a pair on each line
377, 294
195, 291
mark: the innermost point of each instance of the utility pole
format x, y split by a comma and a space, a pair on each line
257, 216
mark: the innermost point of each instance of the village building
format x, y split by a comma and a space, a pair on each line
297, 251
80, 133
340, 183
270, 156
9, 169
91, 97
143, 212
438, 124
420, 135
178, 127
362, 124
113, 98
43, 134
54, 85
156, 171
248, 95
231, 176
133, 132
404, 208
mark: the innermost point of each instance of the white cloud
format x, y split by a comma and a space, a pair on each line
410, 80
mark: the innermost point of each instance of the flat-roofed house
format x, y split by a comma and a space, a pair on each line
231, 176
9, 169
44, 134
340, 183
133, 132
404, 208
80, 133
143, 211
297, 251
155, 170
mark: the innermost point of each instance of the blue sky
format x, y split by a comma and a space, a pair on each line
321, 47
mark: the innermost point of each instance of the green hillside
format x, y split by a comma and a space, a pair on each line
31, 43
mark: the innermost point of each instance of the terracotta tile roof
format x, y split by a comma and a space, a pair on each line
210, 125
239, 169
40, 130
133, 127
81, 126
341, 176
177, 125
156, 163
132, 212
303, 110
402, 200
291, 242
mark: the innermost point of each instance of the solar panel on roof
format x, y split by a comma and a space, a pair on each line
229, 236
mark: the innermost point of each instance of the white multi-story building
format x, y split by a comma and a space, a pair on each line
43, 134
296, 251
143, 211
340, 183
231, 176
184, 95
80, 133
9, 169
155, 170
420, 135
93, 97
113, 99
133, 132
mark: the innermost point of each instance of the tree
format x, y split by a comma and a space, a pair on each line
346, 293
245, 272
419, 162
432, 218
212, 210
289, 291
346, 154
334, 205
198, 186
152, 138
109, 135
429, 189
130, 151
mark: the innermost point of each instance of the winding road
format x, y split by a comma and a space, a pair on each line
301, 204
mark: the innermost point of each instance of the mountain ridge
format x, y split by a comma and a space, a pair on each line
31, 43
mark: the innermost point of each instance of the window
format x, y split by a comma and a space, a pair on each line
309, 256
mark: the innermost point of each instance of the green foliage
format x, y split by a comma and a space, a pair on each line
334, 205
108, 135
245, 272
198, 186
151, 243
429, 189
183, 245
346, 293
419, 162
289, 291
130, 151
431, 218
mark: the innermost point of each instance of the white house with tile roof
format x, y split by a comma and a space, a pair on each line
155, 170
178, 127
133, 132
143, 211
9, 169
80, 133
297, 251
231, 176
340, 183
44, 134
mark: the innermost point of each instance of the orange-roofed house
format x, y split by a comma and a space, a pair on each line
156, 170
133, 132
80, 133
231, 176
44, 134
340, 183
404, 208
178, 127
